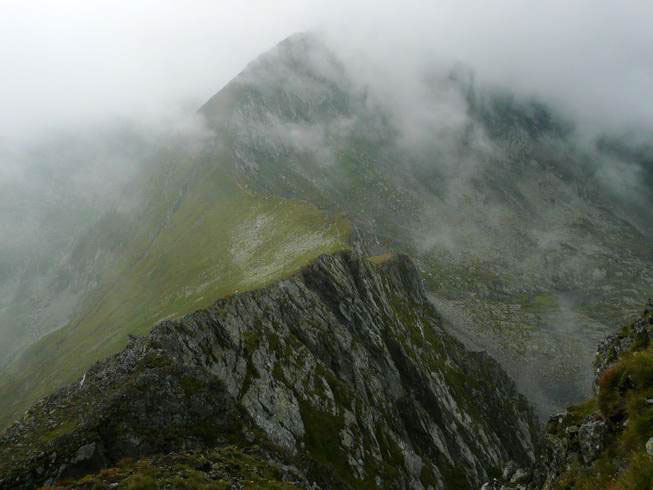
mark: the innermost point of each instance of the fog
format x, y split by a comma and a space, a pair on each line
92, 89
73, 66
74, 62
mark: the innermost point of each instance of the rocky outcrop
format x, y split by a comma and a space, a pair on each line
299, 125
614, 346
575, 441
342, 371
570, 442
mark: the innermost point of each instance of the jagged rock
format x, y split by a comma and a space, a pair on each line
568, 444
491, 485
615, 345
521, 475
591, 437
343, 370
649, 446
571, 431
84, 453
509, 470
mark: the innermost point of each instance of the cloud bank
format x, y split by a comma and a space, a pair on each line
71, 62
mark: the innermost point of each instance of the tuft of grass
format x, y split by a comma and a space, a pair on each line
609, 399
577, 413
379, 260
140, 482
214, 469
624, 389
322, 439
191, 385
639, 475
65, 427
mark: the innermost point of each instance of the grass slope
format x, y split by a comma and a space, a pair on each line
203, 235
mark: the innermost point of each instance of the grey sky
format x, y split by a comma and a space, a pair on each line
73, 62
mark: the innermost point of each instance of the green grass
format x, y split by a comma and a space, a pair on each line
64, 428
379, 260
537, 303
181, 255
578, 412
624, 389
322, 439
215, 469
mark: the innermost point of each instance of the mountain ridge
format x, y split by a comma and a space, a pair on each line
503, 215
504, 211
344, 365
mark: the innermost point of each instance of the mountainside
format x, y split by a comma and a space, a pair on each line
199, 235
607, 441
522, 241
61, 187
526, 250
340, 375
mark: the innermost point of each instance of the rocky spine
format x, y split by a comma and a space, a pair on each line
342, 372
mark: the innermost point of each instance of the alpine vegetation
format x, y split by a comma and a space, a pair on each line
326, 246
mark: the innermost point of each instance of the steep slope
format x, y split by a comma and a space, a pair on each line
343, 370
58, 188
523, 245
198, 235
522, 248
606, 442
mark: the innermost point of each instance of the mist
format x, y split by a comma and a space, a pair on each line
79, 65
92, 91
79, 62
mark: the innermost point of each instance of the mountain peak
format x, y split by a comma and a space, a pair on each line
301, 67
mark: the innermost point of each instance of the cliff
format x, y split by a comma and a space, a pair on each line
340, 376
607, 441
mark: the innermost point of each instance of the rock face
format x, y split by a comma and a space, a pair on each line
611, 427
342, 371
567, 444
614, 346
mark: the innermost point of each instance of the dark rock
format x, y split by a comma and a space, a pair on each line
615, 345
491, 485
509, 470
521, 475
591, 436
84, 453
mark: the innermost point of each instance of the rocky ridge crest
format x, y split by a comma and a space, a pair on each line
342, 372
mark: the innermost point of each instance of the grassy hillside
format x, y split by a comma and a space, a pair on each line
202, 235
